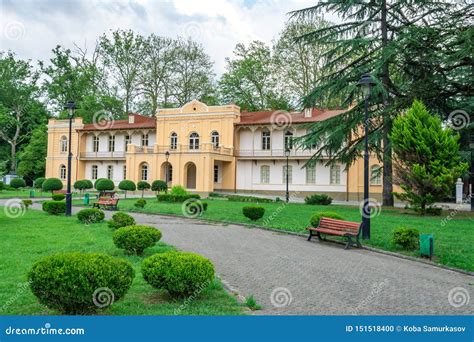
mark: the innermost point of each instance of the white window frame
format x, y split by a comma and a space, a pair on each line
266, 140
173, 141
62, 172
215, 139
110, 172
194, 141
144, 171
290, 174
311, 174
94, 172
145, 140
95, 143
63, 144
265, 174
124, 172
111, 147
335, 174
375, 175
128, 140
288, 140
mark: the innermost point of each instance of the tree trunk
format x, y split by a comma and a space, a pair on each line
387, 195
13, 156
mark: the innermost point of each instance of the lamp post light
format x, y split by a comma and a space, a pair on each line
167, 156
366, 83
287, 154
70, 106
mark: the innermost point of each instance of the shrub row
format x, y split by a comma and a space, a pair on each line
238, 198
176, 198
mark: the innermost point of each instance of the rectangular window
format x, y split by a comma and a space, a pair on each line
95, 144
311, 174
264, 174
216, 173
375, 175
94, 172
266, 142
111, 143
335, 174
290, 174
110, 172
145, 140
127, 142
124, 172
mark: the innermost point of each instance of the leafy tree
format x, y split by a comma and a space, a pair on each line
427, 160
52, 184
142, 185
249, 80
17, 183
39, 182
20, 111
33, 156
372, 38
122, 53
159, 185
104, 184
127, 185
80, 185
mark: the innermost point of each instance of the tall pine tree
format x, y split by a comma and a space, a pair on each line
373, 37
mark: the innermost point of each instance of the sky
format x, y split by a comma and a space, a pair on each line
32, 29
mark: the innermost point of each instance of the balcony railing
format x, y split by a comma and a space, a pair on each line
202, 148
102, 155
274, 153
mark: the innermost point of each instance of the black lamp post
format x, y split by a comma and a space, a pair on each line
167, 156
366, 83
287, 154
70, 106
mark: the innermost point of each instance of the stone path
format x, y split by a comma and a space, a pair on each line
289, 276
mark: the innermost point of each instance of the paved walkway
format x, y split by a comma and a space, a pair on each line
313, 278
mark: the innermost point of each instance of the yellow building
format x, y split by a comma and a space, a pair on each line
205, 149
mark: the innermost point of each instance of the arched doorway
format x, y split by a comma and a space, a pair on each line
190, 170
167, 173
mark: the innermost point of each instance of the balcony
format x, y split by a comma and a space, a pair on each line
116, 155
275, 153
203, 148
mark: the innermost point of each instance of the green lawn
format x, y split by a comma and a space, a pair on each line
36, 234
453, 241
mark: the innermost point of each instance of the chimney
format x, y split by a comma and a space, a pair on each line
131, 118
308, 112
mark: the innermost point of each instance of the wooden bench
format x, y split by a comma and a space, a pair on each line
64, 192
106, 203
329, 226
107, 194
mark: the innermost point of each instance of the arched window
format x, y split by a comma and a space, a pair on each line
110, 172
94, 172
264, 174
174, 141
335, 172
288, 140
194, 141
215, 139
62, 172
375, 175
144, 171
63, 144
266, 144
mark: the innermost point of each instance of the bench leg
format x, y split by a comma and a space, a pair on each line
349, 242
310, 235
319, 237
358, 242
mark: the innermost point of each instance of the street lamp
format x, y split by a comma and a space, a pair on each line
287, 154
366, 83
167, 156
70, 106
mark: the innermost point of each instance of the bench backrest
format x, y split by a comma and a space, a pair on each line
341, 225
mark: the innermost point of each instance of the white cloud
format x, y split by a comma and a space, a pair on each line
32, 28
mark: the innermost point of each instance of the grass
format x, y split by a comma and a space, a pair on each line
452, 240
36, 234
251, 303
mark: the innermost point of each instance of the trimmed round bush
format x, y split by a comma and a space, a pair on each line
140, 203
318, 199
314, 221
159, 185
127, 185
253, 212
181, 274
91, 215
135, 239
120, 220
97, 181
17, 183
407, 238
39, 182
142, 185
88, 184
80, 283
26, 203
54, 207
80, 185
104, 184
58, 197
52, 184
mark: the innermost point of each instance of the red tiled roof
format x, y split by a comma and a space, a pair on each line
140, 121
271, 116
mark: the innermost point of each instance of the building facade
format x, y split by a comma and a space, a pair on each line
206, 149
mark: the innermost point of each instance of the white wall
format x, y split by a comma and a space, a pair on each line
102, 170
248, 177
119, 141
